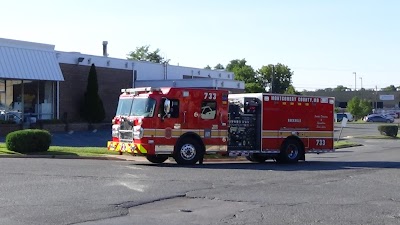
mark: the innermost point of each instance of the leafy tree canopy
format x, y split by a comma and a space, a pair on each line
359, 107
219, 66
143, 53
246, 73
340, 88
291, 90
389, 88
278, 77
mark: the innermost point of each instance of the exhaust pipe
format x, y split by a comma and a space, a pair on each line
105, 43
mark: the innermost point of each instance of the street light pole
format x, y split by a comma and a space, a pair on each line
361, 82
355, 81
361, 88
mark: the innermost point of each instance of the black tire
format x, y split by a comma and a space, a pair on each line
157, 158
256, 158
291, 152
188, 152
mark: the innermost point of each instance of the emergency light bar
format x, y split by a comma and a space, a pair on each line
141, 89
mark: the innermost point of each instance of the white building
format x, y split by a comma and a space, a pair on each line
37, 82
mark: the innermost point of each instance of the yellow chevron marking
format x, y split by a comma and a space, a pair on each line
141, 148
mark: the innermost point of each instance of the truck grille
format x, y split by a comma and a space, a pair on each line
126, 135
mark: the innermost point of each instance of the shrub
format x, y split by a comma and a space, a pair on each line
92, 109
29, 140
388, 130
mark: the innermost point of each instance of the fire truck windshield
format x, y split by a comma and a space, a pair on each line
124, 106
136, 107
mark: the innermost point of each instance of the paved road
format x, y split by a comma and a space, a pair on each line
357, 185
357, 130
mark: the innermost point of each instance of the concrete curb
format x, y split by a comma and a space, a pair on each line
111, 157
62, 157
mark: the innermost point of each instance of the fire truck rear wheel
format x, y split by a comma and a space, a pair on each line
157, 158
188, 151
291, 152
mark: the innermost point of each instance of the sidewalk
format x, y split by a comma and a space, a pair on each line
114, 157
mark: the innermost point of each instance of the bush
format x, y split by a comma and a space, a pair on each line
29, 140
388, 130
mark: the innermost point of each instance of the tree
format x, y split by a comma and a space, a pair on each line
389, 88
291, 90
92, 108
366, 107
219, 66
254, 88
247, 74
340, 88
208, 67
144, 54
354, 107
278, 77
359, 107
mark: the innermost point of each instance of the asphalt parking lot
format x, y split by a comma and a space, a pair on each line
96, 138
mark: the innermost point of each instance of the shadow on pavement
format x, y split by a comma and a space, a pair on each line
273, 166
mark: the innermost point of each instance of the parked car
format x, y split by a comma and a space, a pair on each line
340, 116
394, 115
378, 118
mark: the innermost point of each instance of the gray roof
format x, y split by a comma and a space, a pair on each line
28, 61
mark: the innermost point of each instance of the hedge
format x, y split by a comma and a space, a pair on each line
28, 141
388, 130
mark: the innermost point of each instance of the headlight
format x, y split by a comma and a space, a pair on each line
115, 130
137, 132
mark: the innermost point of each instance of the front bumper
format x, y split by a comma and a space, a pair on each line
126, 147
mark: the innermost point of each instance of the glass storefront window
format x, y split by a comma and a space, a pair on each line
31, 100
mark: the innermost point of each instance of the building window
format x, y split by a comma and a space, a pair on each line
174, 108
31, 100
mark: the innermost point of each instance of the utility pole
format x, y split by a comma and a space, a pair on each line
355, 81
361, 88
376, 97
272, 79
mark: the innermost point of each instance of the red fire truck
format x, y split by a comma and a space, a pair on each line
187, 123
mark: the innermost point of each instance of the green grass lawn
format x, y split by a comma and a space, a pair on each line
345, 144
61, 150
101, 151
379, 137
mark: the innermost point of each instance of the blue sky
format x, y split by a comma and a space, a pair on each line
322, 41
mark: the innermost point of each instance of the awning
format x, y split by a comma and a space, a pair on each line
22, 60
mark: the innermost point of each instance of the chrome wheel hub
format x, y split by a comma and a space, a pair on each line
292, 151
188, 152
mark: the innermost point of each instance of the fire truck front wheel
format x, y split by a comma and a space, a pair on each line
291, 152
188, 151
157, 158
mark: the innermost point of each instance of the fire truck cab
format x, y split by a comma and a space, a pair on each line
187, 123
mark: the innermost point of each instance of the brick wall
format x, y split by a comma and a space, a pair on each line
72, 89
